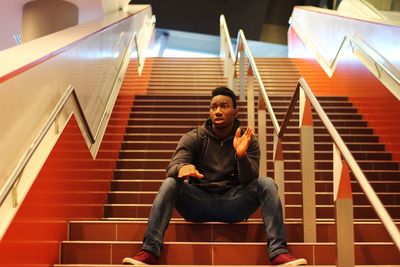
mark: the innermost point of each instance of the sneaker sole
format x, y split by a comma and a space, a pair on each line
132, 261
295, 263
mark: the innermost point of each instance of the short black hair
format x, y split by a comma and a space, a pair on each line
224, 91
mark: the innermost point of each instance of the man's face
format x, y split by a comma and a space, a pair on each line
222, 112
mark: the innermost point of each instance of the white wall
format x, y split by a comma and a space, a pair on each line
10, 19
11, 16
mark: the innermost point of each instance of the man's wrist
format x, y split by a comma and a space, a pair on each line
241, 156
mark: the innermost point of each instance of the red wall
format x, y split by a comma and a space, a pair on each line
351, 78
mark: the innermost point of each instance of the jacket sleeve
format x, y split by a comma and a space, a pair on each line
248, 166
183, 155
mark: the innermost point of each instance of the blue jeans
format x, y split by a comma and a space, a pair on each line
235, 205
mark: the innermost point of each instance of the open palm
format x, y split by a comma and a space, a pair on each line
241, 143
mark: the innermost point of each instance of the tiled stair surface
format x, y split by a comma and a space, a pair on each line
177, 98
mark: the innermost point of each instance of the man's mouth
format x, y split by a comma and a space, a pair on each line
218, 120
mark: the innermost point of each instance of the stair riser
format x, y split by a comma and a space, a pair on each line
132, 211
167, 154
220, 232
217, 254
181, 129
290, 199
205, 109
134, 145
198, 120
162, 164
286, 138
179, 115
378, 180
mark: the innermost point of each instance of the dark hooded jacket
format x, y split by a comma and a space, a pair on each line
215, 158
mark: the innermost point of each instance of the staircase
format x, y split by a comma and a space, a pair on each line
176, 97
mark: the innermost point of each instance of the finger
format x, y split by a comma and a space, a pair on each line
237, 135
251, 133
248, 133
199, 175
193, 173
184, 173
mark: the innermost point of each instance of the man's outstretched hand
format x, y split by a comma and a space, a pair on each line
241, 143
189, 170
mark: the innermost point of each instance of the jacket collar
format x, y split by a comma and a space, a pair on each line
207, 126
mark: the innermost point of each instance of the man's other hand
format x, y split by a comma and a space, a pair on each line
241, 143
189, 171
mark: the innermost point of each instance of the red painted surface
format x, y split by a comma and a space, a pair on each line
307, 119
70, 186
344, 191
352, 79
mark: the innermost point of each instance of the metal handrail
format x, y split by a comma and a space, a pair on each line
380, 62
227, 39
234, 56
242, 41
370, 7
148, 31
17, 171
386, 66
355, 168
279, 132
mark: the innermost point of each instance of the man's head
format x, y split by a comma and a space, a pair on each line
224, 91
223, 108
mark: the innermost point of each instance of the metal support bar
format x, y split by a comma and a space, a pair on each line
242, 74
250, 100
307, 169
262, 137
232, 81
279, 170
343, 210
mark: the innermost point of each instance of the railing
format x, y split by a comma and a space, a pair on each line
91, 137
342, 188
144, 38
386, 72
360, 7
343, 163
70, 94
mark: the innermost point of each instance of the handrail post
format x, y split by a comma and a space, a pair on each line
242, 70
250, 99
279, 169
223, 50
307, 168
343, 210
262, 136
232, 80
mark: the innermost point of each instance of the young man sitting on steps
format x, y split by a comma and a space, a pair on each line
213, 177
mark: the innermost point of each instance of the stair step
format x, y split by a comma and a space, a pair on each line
291, 198
287, 146
288, 164
250, 231
290, 137
220, 253
382, 178
287, 155
292, 211
178, 93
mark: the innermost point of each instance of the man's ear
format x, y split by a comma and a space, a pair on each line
236, 113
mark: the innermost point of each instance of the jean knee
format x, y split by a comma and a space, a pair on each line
170, 184
268, 184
